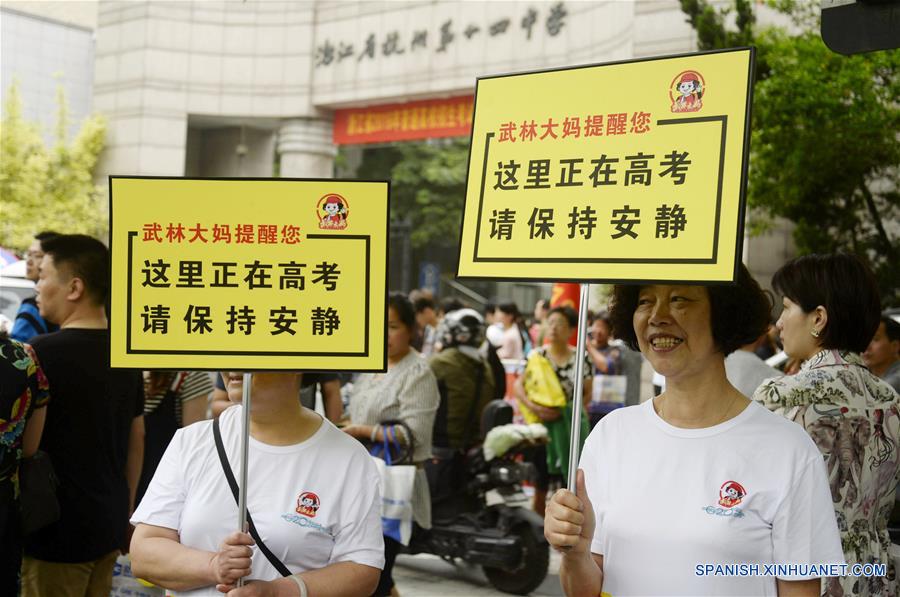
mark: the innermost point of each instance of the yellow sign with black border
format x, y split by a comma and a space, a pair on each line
248, 274
623, 172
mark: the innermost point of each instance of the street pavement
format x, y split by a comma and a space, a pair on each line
429, 576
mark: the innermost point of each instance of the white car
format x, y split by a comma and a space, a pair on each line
14, 288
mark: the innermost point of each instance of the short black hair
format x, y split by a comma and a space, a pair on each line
84, 257
510, 308
44, 236
601, 316
891, 328
567, 312
739, 312
404, 310
845, 286
423, 302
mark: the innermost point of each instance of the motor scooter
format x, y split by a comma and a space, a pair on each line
481, 515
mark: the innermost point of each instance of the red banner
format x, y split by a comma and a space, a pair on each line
425, 119
567, 295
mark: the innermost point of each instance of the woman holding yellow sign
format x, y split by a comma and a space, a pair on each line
722, 496
313, 501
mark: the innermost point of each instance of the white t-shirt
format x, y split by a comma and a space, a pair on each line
660, 494
511, 344
659, 380
314, 503
746, 371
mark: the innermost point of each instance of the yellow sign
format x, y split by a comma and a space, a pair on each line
631, 171
248, 274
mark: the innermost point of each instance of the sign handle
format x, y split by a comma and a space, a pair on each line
577, 398
245, 449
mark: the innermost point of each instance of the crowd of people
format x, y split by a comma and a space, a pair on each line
731, 461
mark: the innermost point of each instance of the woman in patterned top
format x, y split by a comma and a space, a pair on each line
23, 398
408, 392
831, 311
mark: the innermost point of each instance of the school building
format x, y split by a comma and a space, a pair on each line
273, 88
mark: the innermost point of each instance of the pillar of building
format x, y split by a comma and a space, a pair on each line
306, 149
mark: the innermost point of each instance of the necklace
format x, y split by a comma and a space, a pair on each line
720, 419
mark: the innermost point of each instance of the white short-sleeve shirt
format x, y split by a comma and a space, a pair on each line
314, 503
751, 490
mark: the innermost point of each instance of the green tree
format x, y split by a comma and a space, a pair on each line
709, 23
428, 181
48, 188
825, 153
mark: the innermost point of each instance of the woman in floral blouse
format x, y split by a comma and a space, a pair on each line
831, 311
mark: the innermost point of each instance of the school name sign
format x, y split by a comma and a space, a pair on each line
622, 172
248, 274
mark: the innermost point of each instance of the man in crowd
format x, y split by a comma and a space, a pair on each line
466, 385
94, 431
29, 322
607, 361
464, 379
882, 356
606, 358
494, 330
536, 330
426, 323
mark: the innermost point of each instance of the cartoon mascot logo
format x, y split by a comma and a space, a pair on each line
308, 504
686, 91
333, 212
731, 493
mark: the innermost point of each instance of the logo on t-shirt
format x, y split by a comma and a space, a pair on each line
308, 504
731, 493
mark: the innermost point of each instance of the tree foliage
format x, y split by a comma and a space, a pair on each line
48, 188
825, 150
428, 182
710, 24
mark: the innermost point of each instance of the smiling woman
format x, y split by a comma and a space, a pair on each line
699, 475
736, 312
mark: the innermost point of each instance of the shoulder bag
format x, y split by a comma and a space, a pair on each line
223, 458
397, 484
37, 485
